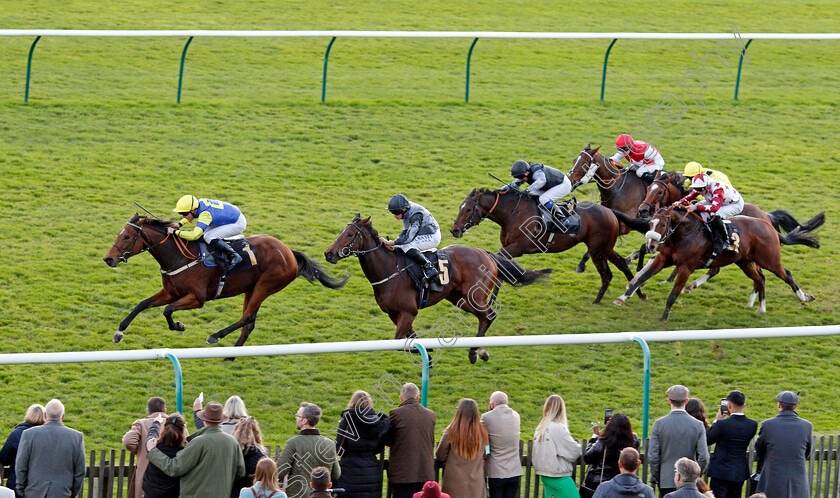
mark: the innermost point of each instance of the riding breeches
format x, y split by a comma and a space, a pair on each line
225, 231
647, 168
726, 211
421, 243
556, 192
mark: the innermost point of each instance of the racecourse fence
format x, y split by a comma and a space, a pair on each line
475, 35
109, 471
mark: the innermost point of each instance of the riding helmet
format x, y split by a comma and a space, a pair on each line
398, 204
700, 181
624, 141
693, 169
185, 204
519, 168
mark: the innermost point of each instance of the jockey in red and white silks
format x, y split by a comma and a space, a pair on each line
641, 155
718, 198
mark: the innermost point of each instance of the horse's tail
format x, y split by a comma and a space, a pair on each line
514, 274
782, 219
640, 225
799, 236
310, 270
814, 223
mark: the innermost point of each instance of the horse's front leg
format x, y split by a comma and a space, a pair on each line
159, 299
652, 268
683, 273
188, 302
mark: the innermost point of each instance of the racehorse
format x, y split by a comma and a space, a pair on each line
682, 240
187, 283
474, 278
619, 190
523, 231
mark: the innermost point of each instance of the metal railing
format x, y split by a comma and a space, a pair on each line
475, 35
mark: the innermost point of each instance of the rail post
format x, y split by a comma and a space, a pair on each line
326, 60
179, 382
424, 391
469, 57
646, 395
29, 67
740, 62
604, 76
181, 72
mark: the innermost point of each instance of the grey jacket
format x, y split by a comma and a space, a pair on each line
783, 447
686, 491
542, 178
624, 486
417, 220
502, 424
672, 437
50, 461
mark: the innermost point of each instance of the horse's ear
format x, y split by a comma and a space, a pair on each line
588, 147
357, 217
595, 151
366, 221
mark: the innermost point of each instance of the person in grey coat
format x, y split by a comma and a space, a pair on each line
783, 447
686, 474
626, 484
674, 436
51, 457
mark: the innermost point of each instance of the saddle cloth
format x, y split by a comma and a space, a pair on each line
239, 244
439, 260
733, 236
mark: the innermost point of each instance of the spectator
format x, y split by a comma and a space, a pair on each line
320, 483
304, 452
604, 448
461, 449
555, 451
233, 412
431, 490
697, 409
503, 465
626, 483
360, 438
783, 447
674, 436
686, 474
51, 457
249, 436
135, 442
704, 488
156, 484
208, 463
34, 416
731, 435
411, 438
265, 482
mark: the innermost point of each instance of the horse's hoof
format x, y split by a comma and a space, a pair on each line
664, 318
180, 327
212, 340
642, 296
473, 357
686, 291
809, 298
484, 355
580, 269
118, 337
618, 302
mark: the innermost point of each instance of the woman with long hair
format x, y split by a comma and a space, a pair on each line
250, 438
173, 438
265, 482
696, 409
462, 449
555, 451
603, 450
35, 415
361, 475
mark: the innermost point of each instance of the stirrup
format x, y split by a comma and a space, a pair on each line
430, 271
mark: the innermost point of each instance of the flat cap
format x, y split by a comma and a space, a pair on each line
788, 398
677, 393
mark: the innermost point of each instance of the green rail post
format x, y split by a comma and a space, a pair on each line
179, 382
326, 61
424, 396
646, 400
29, 68
469, 57
604, 76
181, 72
741, 61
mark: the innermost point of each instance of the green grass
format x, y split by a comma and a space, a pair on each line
102, 130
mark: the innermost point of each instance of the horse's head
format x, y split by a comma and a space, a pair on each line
584, 166
658, 194
357, 238
663, 224
134, 239
470, 213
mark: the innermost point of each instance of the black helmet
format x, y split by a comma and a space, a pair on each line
519, 169
398, 204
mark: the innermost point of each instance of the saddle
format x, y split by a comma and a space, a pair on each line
440, 260
238, 244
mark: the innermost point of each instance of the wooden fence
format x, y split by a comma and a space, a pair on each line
109, 471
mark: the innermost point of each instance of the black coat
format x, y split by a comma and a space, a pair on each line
252, 455
156, 484
360, 438
731, 437
9, 451
595, 455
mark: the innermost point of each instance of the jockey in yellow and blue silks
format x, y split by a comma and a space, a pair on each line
213, 220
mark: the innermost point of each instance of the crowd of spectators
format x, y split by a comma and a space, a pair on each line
480, 453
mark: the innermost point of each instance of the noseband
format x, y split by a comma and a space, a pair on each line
466, 225
125, 254
348, 250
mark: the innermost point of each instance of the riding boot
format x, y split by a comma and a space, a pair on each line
429, 271
233, 258
548, 216
649, 176
718, 237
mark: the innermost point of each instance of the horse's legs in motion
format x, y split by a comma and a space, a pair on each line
404, 320
652, 268
581, 267
485, 313
642, 253
158, 299
603, 268
783, 273
621, 264
672, 277
683, 273
751, 270
248, 327
249, 315
701, 279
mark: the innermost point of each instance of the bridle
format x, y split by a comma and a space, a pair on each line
466, 225
590, 172
125, 254
655, 207
348, 249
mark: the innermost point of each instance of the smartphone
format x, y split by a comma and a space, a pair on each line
724, 405
607, 415
201, 397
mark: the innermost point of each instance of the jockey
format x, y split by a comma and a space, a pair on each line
719, 199
421, 232
642, 156
214, 220
548, 183
694, 168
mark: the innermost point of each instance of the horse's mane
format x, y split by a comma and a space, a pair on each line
154, 222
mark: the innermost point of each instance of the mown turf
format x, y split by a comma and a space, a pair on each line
102, 130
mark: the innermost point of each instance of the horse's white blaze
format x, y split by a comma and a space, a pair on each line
122, 231
762, 307
463, 205
751, 302
653, 224
577, 160
654, 187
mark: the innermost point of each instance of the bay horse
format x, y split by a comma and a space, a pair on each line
523, 231
188, 284
682, 240
474, 279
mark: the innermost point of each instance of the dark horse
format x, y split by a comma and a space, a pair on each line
187, 283
619, 190
473, 284
524, 233
682, 240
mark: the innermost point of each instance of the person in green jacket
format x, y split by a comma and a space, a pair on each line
208, 464
306, 451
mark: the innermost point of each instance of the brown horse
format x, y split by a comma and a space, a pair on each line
187, 283
682, 240
524, 233
474, 279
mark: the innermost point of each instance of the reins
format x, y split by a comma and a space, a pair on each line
466, 225
179, 243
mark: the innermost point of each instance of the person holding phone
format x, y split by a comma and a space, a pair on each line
604, 448
732, 432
